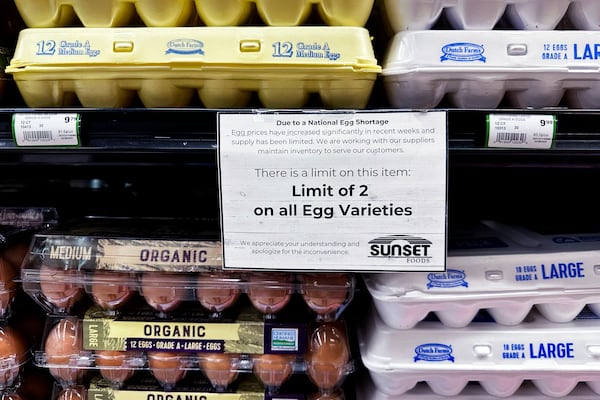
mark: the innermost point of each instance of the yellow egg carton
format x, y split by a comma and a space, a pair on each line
162, 13
170, 67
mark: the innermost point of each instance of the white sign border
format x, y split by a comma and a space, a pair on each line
258, 113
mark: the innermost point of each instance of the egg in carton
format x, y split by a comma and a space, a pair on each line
17, 225
485, 15
109, 13
222, 67
503, 269
555, 357
484, 69
14, 354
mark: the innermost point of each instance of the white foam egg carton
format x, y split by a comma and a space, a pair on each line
555, 357
485, 14
472, 391
223, 67
109, 13
503, 269
480, 69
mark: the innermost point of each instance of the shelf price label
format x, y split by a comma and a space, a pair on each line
521, 131
46, 129
356, 191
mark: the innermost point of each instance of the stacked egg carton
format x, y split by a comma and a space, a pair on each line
518, 53
136, 301
514, 308
10, 25
167, 60
17, 226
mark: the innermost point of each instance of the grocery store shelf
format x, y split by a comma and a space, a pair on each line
187, 136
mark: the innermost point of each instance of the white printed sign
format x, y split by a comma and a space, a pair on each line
356, 191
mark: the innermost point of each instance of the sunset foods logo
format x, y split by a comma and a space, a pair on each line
400, 246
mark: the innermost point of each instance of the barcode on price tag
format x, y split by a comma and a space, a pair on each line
524, 131
46, 129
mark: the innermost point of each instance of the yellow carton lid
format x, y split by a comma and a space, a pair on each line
345, 47
214, 59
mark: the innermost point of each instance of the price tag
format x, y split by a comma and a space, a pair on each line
522, 131
39, 129
354, 191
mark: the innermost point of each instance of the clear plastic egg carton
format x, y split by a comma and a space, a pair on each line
168, 265
555, 357
173, 67
485, 14
481, 69
73, 349
17, 225
157, 13
15, 353
61, 290
503, 269
472, 391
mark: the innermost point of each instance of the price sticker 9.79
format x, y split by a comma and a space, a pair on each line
46, 129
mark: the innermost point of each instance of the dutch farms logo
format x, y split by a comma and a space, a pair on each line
185, 46
400, 246
434, 352
449, 279
463, 52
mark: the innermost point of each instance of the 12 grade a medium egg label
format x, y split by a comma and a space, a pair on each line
361, 191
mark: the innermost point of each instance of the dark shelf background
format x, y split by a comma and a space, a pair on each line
162, 162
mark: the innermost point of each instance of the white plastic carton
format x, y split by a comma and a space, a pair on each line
485, 14
479, 69
555, 357
473, 391
503, 269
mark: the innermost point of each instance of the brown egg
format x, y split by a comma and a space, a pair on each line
325, 293
36, 383
8, 287
217, 291
220, 368
164, 291
72, 393
270, 292
167, 367
112, 289
62, 288
63, 347
115, 366
13, 355
328, 355
273, 369
15, 254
